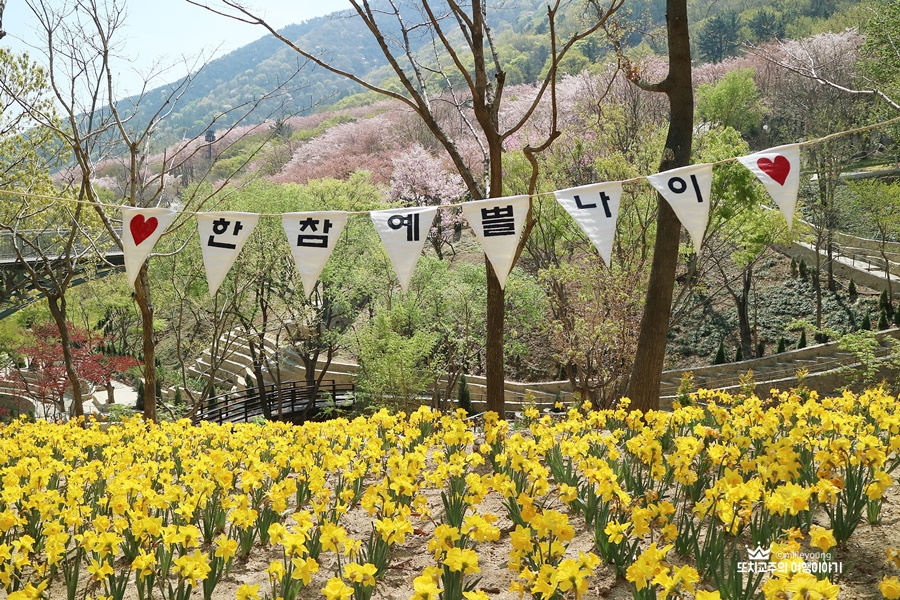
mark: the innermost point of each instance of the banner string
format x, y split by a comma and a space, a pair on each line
812, 142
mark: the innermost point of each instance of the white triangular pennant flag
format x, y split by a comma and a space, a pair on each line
141, 229
498, 224
779, 171
595, 208
403, 232
312, 236
222, 235
687, 190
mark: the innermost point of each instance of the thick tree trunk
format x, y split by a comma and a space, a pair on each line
493, 349
142, 297
643, 387
57, 306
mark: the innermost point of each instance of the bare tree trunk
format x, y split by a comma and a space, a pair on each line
57, 306
493, 348
643, 387
142, 297
743, 306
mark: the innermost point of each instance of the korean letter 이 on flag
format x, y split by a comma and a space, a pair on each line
141, 229
687, 190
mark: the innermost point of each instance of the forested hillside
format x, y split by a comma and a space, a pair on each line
719, 30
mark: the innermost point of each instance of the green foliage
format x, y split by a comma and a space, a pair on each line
801, 343
738, 355
883, 320
720, 36
760, 350
733, 102
882, 55
863, 345
781, 345
720, 354
851, 290
766, 25
393, 354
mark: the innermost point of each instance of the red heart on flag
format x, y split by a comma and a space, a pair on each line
142, 228
777, 169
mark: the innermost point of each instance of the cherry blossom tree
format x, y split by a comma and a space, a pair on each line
421, 179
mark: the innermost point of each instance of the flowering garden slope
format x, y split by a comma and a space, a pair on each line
399, 506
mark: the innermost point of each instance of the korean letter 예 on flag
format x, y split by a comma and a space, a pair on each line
222, 235
498, 224
403, 232
141, 229
312, 236
778, 169
595, 208
687, 190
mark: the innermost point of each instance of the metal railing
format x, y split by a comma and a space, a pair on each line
49, 244
290, 401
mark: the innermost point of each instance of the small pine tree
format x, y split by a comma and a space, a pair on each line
464, 397
781, 345
760, 350
738, 354
803, 270
884, 303
883, 320
177, 400
720, 354
794, 268
139, 401
866, 324
158, 389
802, 342
851, 289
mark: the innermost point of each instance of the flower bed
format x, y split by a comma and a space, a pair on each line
738, 499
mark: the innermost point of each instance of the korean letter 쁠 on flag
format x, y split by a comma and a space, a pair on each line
498, 224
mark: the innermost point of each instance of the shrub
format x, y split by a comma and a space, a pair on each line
720, 354
866, 324
781, 345
802, 342
463, 396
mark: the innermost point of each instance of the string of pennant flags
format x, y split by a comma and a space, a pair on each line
496, 222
